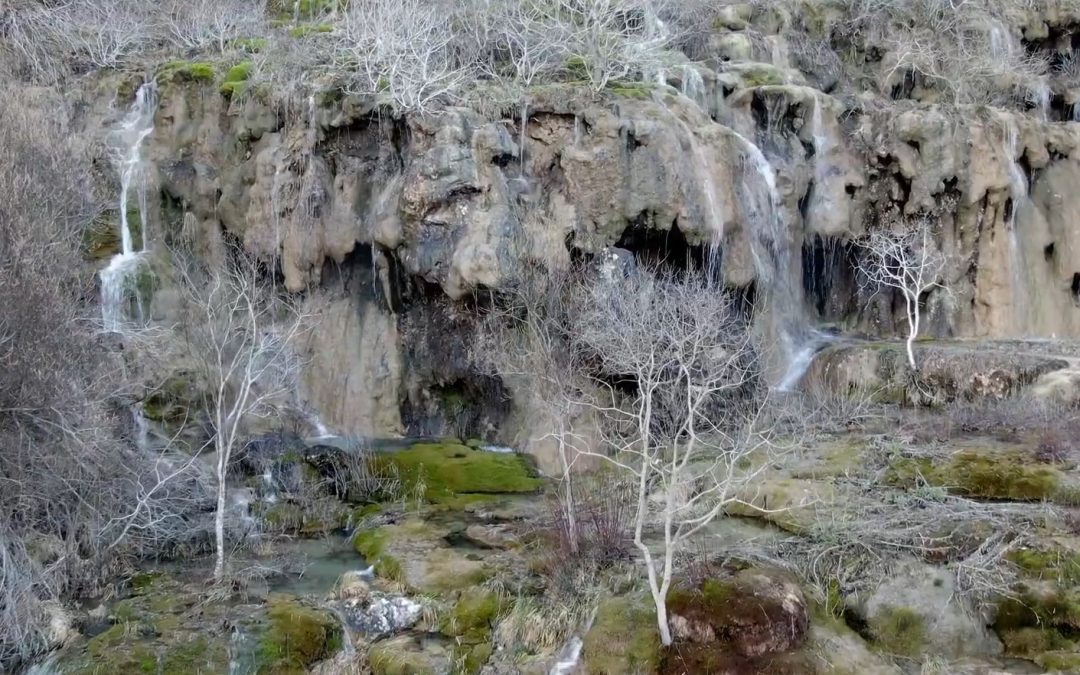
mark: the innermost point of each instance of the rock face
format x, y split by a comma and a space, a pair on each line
915, 609
396, 219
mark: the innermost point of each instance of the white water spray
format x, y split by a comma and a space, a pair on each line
1002, 43
693, 88
128, 140
1040, 98
1018, 191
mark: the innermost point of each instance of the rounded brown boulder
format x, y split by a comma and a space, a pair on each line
754, 613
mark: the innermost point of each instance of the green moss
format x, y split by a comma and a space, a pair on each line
473, 616
143, 581
1040, 606
762, 76
1053, 565
443, 470
101, 238
988, 475
371, 545
251, 45
577, 67
898, 630
186, 71
175, 401
197, 656
623, 639
470, 658
640, 91
1066, 662
236, 79
308, 29
297, 637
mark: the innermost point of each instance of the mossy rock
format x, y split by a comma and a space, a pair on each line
639, 91
470, 658
316, 519
1040, 605
236, 78
1060, 566
982, 474
371, 544
473, 616
401, 656
623, 639
754, 613
176, 400
297, 637
300, 32
442, 470
898, 630
101, 238
186, 71
250, 45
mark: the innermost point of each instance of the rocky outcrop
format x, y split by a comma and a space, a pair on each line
753, 157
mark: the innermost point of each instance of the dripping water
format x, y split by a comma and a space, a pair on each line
1018, 192
693, 88
127, 142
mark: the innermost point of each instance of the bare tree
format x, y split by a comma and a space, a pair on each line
695, 426
407, 49
524, 339
197, 24
239, 336
907, 262
610, 39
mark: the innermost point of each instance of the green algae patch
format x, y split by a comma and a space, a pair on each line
310, 29
371, 544
1056, 565
473, 616
236, 79
186, 71
624, 638
250, 45
982, 474
898, 630
439, 471
297, 637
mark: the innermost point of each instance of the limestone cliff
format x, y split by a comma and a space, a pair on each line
735, 161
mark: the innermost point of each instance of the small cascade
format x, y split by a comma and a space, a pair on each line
1018, 189
801, 360
693, 88
568, 658
142, 428
1040, 98
1002, 43
773, 253
269, 486
243, 653
579, 131
241, 500
128, 139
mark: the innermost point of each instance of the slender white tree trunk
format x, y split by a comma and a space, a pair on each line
913, 328
219, 516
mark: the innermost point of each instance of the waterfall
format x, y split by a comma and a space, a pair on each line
1018, 192
1040, 98
128, 140
693, 88
1002, 43
773, 255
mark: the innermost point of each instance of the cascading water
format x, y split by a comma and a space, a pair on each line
1002, 43
128, 139
1040, 98
1018, 192
693, 88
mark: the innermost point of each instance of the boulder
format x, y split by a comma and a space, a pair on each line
914, 612
378, 615
755, 613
